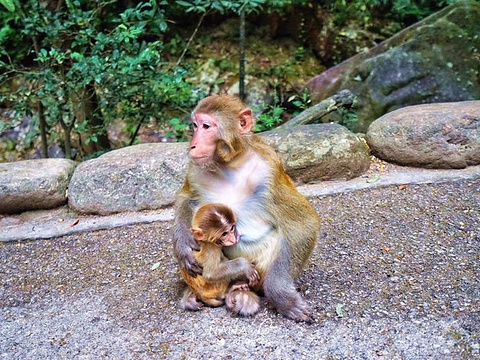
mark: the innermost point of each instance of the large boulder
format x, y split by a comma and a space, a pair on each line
435, 60
319, 152
34, 184
147, 176
445, 135
139, 177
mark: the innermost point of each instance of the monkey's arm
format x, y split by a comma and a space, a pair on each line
183, 240
218, 268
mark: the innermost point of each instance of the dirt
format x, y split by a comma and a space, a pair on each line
395, 275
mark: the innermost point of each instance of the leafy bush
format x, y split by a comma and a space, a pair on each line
90, 66
76, 65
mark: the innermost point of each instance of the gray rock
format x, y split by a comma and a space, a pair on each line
147, 176
134, 178
34, 184
435, 60
445, 135
319, 152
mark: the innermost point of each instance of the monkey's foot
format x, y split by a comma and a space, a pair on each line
244, 303
240, 286
190, 301
298, 311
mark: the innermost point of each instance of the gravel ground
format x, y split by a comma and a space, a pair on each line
395, 275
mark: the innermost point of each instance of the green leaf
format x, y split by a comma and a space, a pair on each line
76, 56
338, 310
174, 121
70, 6
5, 31
373, 179
155, 266
183, 3
357, 78
8, 4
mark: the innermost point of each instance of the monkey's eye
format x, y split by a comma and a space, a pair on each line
224, 234
206, 126
195, 125
233, 228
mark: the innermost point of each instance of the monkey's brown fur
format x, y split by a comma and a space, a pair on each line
213, 226
279, 228
211, 293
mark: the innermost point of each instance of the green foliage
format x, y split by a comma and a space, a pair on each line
415, 10
276, 113
271, 117
404, 11
222, 6
342, 10
178, 129
348, 117
300, 102
84, 51
8, 4
89, 62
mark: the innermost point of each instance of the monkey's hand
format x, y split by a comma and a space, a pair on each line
253, 278
184, 247
188, 262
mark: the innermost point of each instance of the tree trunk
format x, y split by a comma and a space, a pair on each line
42, 124
68, 144
242, 56
135, 134
92, 114
67, 131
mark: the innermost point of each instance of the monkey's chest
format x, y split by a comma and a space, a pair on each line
244, 190
237, 187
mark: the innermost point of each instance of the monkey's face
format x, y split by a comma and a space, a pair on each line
229, 237
204, 140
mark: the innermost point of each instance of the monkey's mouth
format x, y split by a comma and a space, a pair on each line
200, 159
232, 243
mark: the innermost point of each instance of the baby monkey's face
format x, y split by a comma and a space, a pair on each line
228, 237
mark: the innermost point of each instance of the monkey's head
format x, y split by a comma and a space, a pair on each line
219, 121
215, 223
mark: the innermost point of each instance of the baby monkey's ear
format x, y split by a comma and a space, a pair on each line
197, 233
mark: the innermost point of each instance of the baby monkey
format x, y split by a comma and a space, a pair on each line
213, 227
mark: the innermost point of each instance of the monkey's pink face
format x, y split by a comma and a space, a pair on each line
229, 237
204, 140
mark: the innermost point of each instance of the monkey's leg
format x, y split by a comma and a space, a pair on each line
280, 290
214, 302
189, 301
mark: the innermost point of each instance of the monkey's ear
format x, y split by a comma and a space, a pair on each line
197, 233
246, 121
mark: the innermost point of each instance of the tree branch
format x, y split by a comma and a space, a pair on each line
191, 38
343, 98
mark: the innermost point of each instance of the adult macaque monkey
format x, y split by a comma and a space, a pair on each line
278, 228
213, 226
